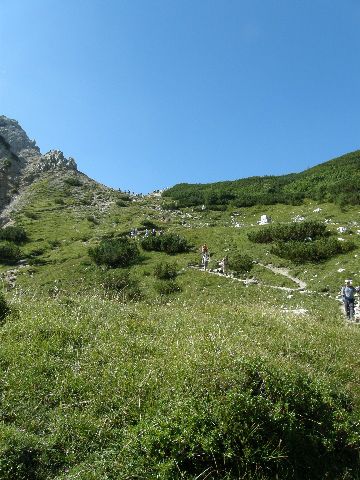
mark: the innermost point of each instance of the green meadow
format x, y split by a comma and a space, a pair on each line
111, 373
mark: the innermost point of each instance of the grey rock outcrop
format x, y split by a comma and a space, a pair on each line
21, 161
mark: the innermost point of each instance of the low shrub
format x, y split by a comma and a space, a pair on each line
312, 251
9, 253
166, 287
92, 219
170, 243
122, 203
119, 252
149, 224
165, 271
121, 282
286, 232
73, 182
13, 234
152, 243
19, 455
240, 263
268, 424
31, 215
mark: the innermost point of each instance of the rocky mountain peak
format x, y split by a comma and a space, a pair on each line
21, 161
16, 138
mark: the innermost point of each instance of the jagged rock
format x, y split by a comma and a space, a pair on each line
21, 163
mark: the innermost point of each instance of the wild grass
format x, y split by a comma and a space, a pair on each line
217, 380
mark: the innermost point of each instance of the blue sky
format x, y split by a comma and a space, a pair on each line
145, 94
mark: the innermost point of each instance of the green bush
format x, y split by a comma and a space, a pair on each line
167, 287
165, 271
269, 424
19, 455
31, 215
170, 243
13, 234
92, 219
4, 308
286, 232
73, 182
311, 251
240, 263
9, 253
122, 203
120, 252
149, 224
121, 282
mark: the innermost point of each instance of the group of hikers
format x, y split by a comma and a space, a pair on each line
205, 259
134, 233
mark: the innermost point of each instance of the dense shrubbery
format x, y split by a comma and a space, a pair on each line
13, 234
301, 242
337, 180
286, 232
166, 287
73, 182
9, 253
121, 282
240, 263
315, 251
120, 252
122, 203
165, 271
149, 224
270, 424
170, 243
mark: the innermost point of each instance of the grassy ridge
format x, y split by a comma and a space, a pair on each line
337, 181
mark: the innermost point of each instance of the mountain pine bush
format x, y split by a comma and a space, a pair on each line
9, 253
165, 271
13, 234
240, 263
286, 232
120, 252
170, 243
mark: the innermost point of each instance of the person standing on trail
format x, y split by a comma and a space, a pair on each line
204, 249
348, 297
206, 259
224, 265
205, 256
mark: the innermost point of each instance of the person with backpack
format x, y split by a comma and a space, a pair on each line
348, 297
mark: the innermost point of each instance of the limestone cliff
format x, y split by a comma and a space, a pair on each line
21, 161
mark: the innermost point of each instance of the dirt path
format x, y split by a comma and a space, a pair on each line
277, 270
285, 273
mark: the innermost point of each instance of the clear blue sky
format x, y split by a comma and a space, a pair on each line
145, 94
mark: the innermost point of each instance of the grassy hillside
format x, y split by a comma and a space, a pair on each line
225, 378
337, 180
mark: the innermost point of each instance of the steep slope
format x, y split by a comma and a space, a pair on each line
21, 164
116, 373
336, 180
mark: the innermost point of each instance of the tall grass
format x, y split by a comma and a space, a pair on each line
204, 384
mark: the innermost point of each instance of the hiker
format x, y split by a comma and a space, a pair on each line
153, 232
348, 297
224, 264
205, 260
204, 249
